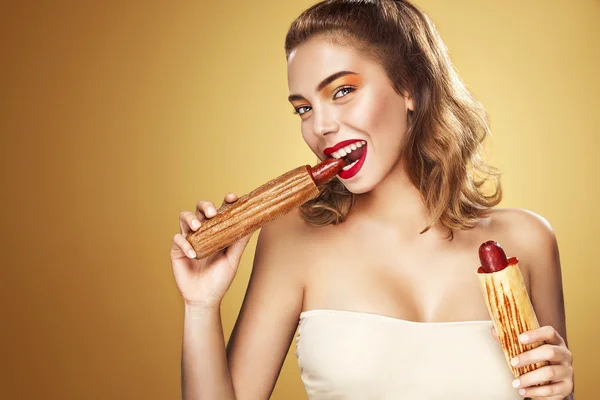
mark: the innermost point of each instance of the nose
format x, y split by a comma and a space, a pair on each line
324, 121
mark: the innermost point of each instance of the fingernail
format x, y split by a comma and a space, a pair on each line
195, 224
514, 361
516, 383
192, 254
522, 392
211, 211
523, 338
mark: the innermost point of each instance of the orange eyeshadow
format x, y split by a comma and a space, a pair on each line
350, 80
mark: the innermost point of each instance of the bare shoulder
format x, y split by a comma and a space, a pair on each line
519, 219
279, 252
286, 235
524, 233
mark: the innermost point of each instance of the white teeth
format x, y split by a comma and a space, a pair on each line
347, 167
343, 152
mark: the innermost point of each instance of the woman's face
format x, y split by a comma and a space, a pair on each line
344, 99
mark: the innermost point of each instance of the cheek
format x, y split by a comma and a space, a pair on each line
310, 139
382, 117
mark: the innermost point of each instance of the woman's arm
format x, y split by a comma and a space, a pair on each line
264, 330
543, 263
538, 251
269, 314
204, 371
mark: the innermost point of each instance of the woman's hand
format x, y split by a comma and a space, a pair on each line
204, 282
558, 374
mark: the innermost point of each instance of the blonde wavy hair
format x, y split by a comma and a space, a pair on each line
443, 152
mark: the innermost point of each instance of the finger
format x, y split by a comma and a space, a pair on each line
188, 222
544, 334
543, 375
205, 209
495, 334
181, 248
547, 352
229, 198
557, 391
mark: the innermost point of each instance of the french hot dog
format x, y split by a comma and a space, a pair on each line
262, 205
507, 301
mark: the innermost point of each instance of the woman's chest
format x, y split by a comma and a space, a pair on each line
421, 280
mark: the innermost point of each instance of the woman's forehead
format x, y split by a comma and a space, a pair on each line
311, 62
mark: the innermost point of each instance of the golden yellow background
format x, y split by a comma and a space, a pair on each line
114, 117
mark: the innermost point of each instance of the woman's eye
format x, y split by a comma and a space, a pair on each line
302, 110
343, 92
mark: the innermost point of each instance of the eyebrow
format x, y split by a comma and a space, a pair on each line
323, 83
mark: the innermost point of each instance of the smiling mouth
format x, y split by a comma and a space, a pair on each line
351, 153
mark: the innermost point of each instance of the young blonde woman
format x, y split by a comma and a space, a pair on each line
377, 273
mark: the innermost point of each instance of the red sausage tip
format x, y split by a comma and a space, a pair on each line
492, 257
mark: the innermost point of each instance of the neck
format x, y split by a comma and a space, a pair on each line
397, 201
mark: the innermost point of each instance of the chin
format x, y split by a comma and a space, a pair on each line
359, 184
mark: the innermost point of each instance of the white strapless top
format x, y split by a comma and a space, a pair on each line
346, 355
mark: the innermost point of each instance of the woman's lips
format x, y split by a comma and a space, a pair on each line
359, 154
